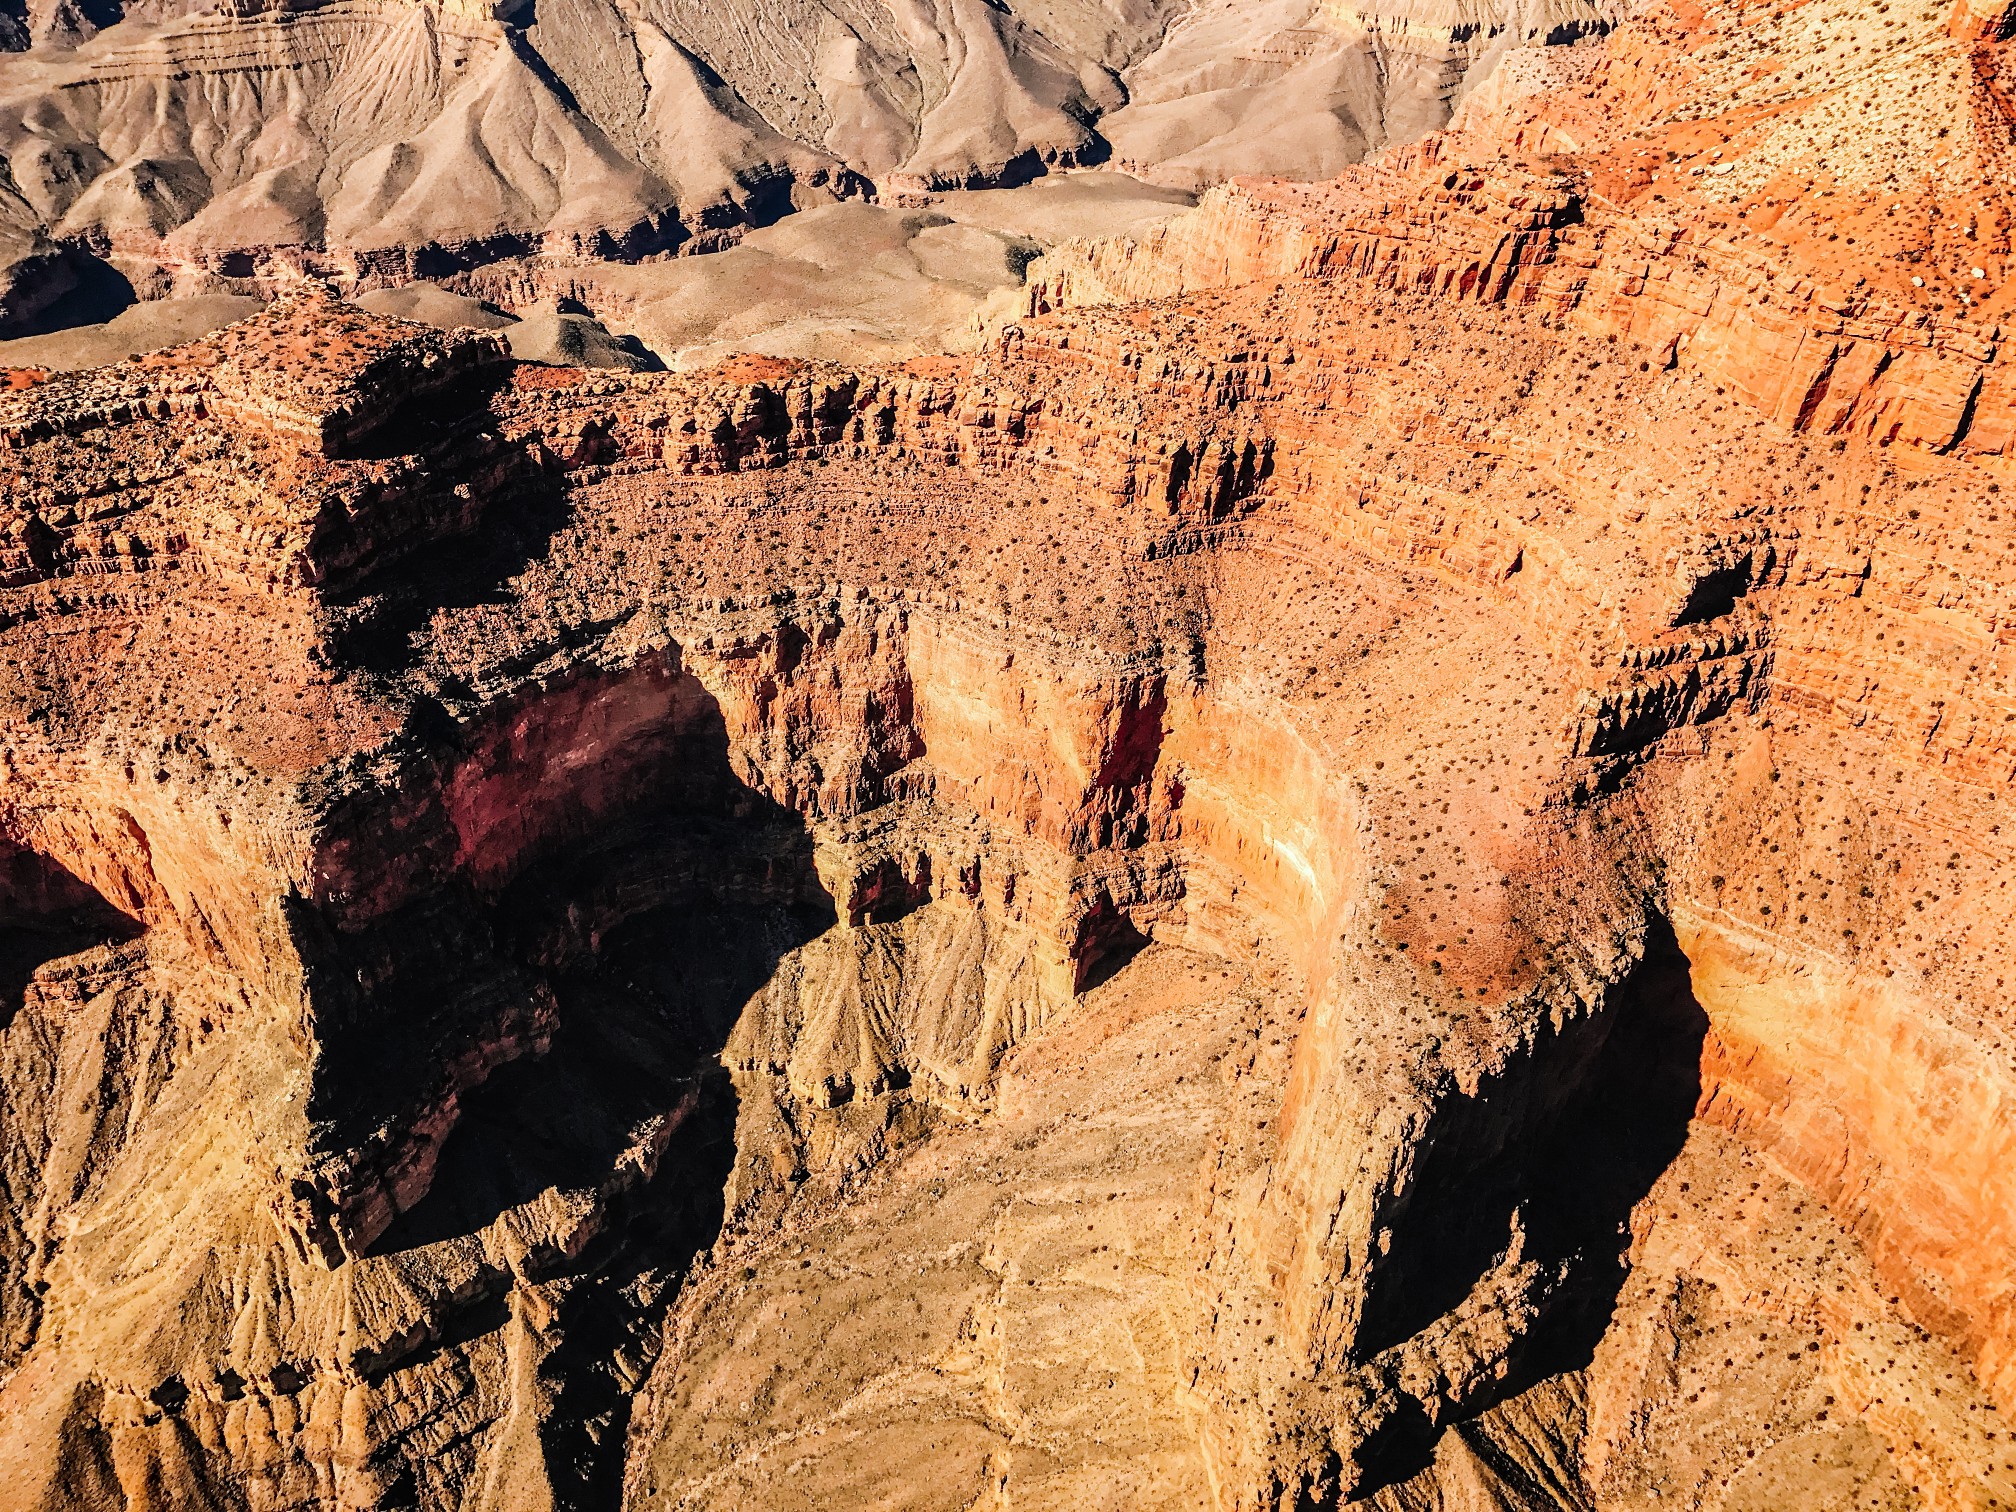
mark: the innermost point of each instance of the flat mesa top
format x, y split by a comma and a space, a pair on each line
310, 362
307, 366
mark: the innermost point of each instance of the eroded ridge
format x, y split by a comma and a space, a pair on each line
1371, 875
163, 148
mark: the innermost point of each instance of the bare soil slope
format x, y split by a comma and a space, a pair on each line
1362, 863
163, 148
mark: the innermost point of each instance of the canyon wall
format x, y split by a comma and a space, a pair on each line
1397, 786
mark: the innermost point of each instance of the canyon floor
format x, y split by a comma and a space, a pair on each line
184, 148
1357, 860
844, 282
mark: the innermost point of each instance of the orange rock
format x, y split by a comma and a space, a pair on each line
500, 854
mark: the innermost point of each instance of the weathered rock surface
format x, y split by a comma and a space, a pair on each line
177, 148
1365, 861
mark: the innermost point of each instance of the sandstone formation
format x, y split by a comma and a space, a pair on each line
1363, 862
170, 147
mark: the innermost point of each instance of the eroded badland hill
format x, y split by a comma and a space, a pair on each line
1367, 860
183, 147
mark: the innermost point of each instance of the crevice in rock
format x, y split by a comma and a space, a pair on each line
1107, 940
602, 1157
1714, 594
1554, 1153
48, 912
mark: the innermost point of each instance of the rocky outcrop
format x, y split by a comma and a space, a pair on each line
1342, 869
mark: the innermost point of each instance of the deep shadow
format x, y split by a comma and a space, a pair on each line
716, 875
656, 942
1569, 32
432, 421
1571, 1139
445, 550
1715, 594
97, 292
653, 363
1107, 940
643, 1015
651, 927
47, 912
372, 624
100, 14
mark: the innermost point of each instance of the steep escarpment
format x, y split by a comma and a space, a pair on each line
1361, 863
1862, 376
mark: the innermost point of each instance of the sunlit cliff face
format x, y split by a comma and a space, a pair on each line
1371, 844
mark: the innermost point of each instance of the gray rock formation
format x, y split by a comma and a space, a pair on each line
161, 148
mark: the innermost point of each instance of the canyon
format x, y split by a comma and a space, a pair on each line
1359, 863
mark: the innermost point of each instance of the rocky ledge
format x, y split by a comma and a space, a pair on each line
1370, 871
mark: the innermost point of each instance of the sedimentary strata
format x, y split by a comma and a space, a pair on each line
1364, 861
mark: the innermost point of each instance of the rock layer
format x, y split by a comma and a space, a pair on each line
1362, 862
